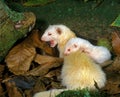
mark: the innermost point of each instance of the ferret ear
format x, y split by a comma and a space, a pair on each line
59, 31
75, 45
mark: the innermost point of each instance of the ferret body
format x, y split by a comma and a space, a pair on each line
80, 71
99, 54
58, 34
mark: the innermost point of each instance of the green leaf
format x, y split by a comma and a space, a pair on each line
37, 2
116, 22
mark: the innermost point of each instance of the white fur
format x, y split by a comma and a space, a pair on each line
99, 54
80, 71
50, 93
51, 34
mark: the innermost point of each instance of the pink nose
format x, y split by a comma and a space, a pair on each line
65, 54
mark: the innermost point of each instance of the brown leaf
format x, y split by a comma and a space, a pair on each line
39, 86
42, 70
20, 57
13, 91
115, 66
54, 73
56, 85
47, 64
116, 43
40, 59
1, 91
113, 83
28, 93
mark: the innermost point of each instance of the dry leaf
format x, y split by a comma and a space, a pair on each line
1, 91
13, 91
115, 66
40, 59
116, 43
54, 73
113, 83
42, 70
20, 57
39, 86
49, 63
23, 82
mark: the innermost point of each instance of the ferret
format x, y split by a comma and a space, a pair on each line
99, 54
80, 71
50, 93
58, 34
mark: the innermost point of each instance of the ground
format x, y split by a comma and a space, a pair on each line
85, 19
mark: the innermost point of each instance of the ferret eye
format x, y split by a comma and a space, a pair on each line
49, 34
75, 45
68, 50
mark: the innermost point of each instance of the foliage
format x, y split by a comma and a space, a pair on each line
81, 93
93, 0
13, 15
116, 22
37, 2
104, 42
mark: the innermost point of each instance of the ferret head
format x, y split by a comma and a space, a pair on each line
52, 34
71, 46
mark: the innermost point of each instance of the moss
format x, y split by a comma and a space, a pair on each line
104, 42
13, 15
82, 93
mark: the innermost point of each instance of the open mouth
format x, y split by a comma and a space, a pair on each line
52, 43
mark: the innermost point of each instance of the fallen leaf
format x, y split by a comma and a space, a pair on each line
54, 73
39, 86
49, 63
115, 66
23, 82
113, 83
1, 91
42, 59
42, 70
56, 85
13, 91
20, 57
116, 43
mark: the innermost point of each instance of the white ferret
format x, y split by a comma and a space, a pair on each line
58, 34
80, 71
99, 54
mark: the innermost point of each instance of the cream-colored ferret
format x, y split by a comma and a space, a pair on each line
80, 71
58, 34
99, 54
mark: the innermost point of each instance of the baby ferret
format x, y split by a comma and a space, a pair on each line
80, 71
99, 54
